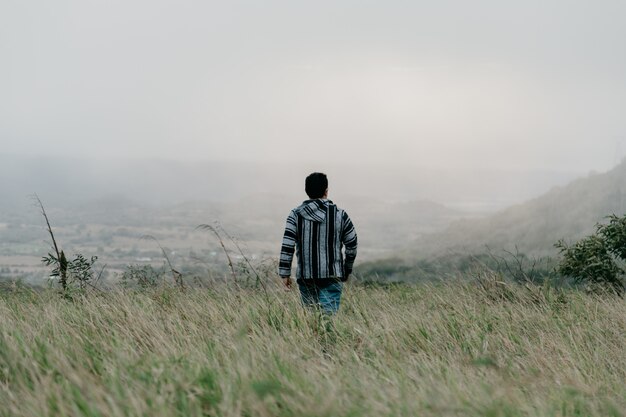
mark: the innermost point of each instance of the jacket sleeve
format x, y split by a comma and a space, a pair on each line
288, 246
349, 240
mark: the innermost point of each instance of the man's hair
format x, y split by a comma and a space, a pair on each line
316, 184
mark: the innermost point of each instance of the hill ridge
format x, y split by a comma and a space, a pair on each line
568, 212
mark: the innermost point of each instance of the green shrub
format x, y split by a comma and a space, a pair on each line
142, 276
596, 259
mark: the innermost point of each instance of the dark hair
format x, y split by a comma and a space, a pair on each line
316, 184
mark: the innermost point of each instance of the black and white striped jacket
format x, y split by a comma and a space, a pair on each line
318, 230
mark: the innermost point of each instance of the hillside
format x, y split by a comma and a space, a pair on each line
568, 212
425, 350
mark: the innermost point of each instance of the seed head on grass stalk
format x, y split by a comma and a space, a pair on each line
259, 281
214, 230
219, 238
177, 276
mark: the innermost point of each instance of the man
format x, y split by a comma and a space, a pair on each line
317, 231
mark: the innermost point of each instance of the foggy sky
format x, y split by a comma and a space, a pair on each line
532, 84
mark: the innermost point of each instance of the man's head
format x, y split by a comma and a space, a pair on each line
316, 185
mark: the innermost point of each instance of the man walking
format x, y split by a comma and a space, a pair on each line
317, 231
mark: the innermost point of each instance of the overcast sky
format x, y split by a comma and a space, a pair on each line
506, 84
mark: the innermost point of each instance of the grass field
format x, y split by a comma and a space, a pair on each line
457, 349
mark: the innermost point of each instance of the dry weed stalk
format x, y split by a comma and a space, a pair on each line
60, 255
176, 276
221, 241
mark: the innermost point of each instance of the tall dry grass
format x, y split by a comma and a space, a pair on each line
429, 350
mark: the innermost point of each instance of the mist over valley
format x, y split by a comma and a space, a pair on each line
104, 207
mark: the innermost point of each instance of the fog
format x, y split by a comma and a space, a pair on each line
142, 117
529, 86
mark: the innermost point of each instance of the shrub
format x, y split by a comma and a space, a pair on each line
74, 271
595, 259
142, 276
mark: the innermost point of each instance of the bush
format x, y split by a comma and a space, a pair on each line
614, 233
71, 272
142, 276
596, 259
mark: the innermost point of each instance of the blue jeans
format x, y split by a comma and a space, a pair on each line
324, 294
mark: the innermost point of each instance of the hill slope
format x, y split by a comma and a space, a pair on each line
429, 350
568, 212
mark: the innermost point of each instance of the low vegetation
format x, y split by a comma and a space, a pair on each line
473, 348
495, 334
598, 259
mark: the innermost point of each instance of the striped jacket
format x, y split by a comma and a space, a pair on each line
317, 231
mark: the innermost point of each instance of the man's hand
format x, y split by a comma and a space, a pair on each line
288, 282
346, 275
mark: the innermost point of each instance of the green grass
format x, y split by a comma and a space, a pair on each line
428, 350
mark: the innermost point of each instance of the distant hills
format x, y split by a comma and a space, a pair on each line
103, 208
393, 206
66, 181
568, 212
